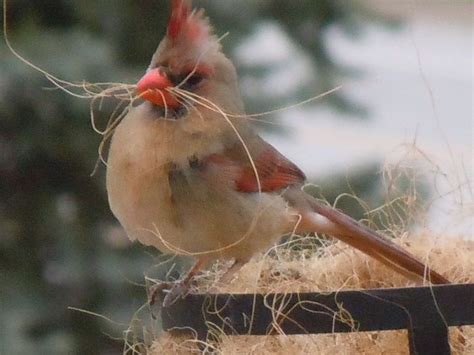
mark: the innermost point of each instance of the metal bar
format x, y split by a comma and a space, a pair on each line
421, 310
429, 341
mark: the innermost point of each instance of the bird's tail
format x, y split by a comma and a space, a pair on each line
368, 241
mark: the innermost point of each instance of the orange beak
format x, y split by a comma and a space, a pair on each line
152, 87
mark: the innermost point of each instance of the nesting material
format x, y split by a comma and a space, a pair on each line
332, 267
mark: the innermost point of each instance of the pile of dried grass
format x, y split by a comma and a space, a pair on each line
332, 267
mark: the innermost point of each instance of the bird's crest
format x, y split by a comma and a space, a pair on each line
187, 24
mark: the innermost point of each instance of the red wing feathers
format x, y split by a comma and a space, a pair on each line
275, 172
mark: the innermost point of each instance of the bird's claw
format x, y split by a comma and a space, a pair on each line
170, 292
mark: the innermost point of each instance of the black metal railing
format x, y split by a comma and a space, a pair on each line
426, 312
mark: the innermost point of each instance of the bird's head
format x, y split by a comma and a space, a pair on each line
189, 67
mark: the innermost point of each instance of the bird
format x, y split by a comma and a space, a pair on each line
188, 174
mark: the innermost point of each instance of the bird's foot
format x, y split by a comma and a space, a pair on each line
169, 292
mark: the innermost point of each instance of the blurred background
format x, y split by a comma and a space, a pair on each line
406, 71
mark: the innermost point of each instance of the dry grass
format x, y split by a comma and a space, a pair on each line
333, 267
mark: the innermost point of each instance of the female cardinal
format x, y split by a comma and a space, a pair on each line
188, 175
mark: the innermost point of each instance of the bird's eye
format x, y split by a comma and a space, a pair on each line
194, 79
188, 81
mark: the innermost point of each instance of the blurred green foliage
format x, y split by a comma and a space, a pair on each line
59, 243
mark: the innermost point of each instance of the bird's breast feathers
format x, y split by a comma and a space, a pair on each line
166, 194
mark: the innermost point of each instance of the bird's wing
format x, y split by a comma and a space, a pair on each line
265, 169
275, 173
